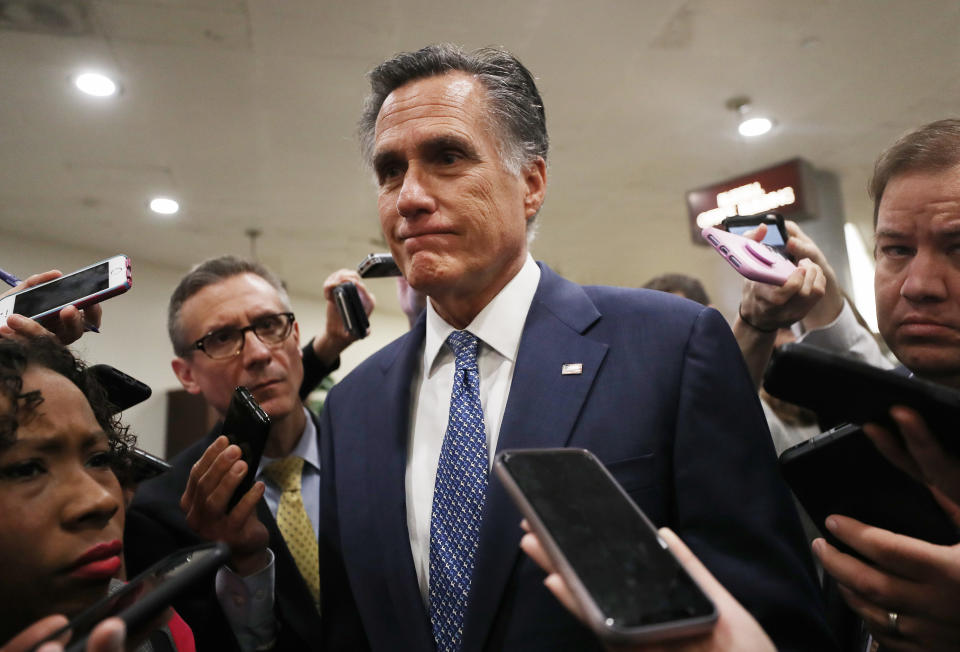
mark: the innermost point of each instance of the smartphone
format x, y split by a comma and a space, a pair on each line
754, 260
842, 472
123, 391
82, 288
354, 317
145, 466
142, 599
776, 236
378, 266
247, 426
632, 588
841, 389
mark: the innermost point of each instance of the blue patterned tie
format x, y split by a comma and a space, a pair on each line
458, 498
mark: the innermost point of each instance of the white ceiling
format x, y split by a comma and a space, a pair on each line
244, 110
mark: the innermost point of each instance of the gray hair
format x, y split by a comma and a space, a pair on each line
210, 272
515, 112
934, 147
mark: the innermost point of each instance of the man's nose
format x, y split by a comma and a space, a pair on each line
415, 195
925, 281
254, 351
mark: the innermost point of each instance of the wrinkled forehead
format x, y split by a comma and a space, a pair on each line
450, 99
234, 301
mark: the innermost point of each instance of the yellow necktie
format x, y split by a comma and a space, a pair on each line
294, 523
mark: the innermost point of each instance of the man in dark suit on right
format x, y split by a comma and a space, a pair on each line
509, 355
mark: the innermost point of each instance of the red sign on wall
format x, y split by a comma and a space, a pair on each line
787, 188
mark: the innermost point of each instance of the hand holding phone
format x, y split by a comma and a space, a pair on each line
631, 588
349, 305
82, 288
775, 237
754, 260
247, 426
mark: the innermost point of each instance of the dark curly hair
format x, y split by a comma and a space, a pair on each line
15, 404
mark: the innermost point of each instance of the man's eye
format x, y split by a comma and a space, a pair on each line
268, 324
223, 336
449, 157
389, 172
22, 470
896, 251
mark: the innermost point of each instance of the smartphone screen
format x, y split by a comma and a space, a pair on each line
612, 548
63, 291
773, 238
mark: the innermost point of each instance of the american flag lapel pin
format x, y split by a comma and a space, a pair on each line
571, 369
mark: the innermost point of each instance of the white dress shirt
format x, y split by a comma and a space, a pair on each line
248, 601
498, 327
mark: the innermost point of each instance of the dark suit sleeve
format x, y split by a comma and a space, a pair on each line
314, 370
732, 507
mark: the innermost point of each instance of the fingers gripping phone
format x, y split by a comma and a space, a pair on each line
378, 266
247, 426
632, 588
82, 288
347, 298
141, 600
776, 236
754, 260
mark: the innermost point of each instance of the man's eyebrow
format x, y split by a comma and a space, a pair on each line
447, 141
385, 157
889, 233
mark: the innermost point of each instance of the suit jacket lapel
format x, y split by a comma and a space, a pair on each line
387, 440
541, 412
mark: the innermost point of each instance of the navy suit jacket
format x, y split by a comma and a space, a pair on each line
664, 401
156, 526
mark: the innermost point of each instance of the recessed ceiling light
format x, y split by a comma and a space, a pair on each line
754, 127
164, 205
96, 84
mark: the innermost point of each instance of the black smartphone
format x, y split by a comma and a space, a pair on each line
347, 298
631, 586
247, 426
123, 391
776, 237
842, 472
81, 288
145, 466
142, 599
841, 389
378, 266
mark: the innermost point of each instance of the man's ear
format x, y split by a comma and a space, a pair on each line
184, 373
535, 178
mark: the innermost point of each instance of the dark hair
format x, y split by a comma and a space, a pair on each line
934, 147
688, 286
209, 272
15, 405
515, 108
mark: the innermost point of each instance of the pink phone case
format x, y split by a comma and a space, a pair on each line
754, 260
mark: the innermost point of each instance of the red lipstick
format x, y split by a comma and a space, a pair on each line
100, 562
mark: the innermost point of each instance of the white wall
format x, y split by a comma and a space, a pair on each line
133, 336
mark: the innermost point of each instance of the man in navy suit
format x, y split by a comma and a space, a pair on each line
653, 384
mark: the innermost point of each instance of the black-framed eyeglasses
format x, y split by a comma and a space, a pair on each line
228, 342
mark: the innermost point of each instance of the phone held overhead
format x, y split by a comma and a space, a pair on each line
754, 260
776, 236
632, 588
82, 288
348, 302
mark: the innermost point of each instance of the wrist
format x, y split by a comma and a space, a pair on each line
760, 328
327, 348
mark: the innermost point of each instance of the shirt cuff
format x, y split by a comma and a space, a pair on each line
247, 603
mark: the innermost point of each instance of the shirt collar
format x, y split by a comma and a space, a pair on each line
499, 325
306, 448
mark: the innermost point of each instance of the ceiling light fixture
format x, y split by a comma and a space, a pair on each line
95, 84
750, 126
164, 206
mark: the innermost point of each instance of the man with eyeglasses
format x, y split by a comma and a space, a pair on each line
231, 324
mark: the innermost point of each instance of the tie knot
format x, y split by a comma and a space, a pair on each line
285, 472
464, 346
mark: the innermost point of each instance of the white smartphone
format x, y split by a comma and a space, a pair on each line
633, 590
82, 288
